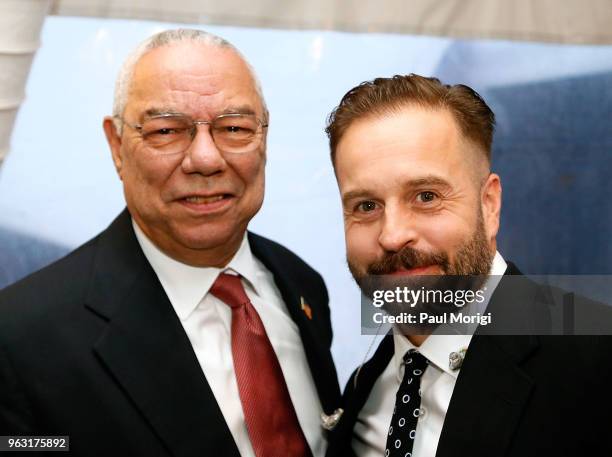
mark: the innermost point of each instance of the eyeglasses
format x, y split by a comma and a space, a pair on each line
170, 133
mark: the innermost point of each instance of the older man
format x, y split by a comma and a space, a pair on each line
175, 331
412, 159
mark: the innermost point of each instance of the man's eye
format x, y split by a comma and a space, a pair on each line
163, 131
366, 207
234, 132
426, 196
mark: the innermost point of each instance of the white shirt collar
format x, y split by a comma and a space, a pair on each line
437, 348
186, 285
499, 265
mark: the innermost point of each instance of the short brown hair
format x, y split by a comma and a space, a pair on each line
383, 96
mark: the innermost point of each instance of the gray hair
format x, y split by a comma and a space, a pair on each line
165, 38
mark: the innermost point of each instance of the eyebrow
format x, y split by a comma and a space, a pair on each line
240, 109
429, 181
355, 194
154, 112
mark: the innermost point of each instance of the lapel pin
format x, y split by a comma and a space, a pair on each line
306, 308
455, 359
329, 422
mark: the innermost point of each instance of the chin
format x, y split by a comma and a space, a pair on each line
208, 237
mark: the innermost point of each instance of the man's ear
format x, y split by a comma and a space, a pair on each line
114, 142
491, 205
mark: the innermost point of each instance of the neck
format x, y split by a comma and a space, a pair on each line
417, 340
217, 258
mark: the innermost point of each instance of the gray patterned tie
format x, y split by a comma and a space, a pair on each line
407, 407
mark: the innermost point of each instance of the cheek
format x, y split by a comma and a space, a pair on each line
251, 174
447, 234
362, 242
146, 178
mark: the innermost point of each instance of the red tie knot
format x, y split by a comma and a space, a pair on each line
228, 288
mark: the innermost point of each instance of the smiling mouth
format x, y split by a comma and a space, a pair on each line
209, 204
205, 200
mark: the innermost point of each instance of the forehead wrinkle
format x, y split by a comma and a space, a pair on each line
216, 101
211, 80
197, 84
366, 188
192, 103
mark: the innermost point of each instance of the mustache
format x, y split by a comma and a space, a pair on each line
408, 258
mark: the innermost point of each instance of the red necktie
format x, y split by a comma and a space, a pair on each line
270, 418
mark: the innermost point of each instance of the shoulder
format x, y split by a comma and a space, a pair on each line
22, 254
68, 279
62, 274
49, 293
592, 352
547, 305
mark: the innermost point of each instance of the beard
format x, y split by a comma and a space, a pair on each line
467, 271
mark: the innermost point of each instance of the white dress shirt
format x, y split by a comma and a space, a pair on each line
437, 384
207, 322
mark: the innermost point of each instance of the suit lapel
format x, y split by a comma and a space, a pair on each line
317, 353
492, 389
488, 399
146, 350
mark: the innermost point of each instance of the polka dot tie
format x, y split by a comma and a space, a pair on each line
407, 407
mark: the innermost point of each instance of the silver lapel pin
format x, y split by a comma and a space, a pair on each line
455, 359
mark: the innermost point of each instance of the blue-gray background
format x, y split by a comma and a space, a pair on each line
553, 146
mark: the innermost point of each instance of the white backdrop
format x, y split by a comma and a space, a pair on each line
59, 183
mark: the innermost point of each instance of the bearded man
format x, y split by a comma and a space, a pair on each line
412, 159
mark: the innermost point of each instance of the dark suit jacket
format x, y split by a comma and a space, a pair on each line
519, 395
91, 347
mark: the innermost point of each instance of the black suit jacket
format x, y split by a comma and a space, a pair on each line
91, 347
522, 395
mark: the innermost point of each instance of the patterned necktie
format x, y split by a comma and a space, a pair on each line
270, 418
407, 407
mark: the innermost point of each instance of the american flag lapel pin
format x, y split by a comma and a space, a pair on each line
306, 308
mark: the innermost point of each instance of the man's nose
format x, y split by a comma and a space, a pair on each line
203, 156
398, 229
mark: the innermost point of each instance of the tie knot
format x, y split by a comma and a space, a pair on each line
228, 288
414, 360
